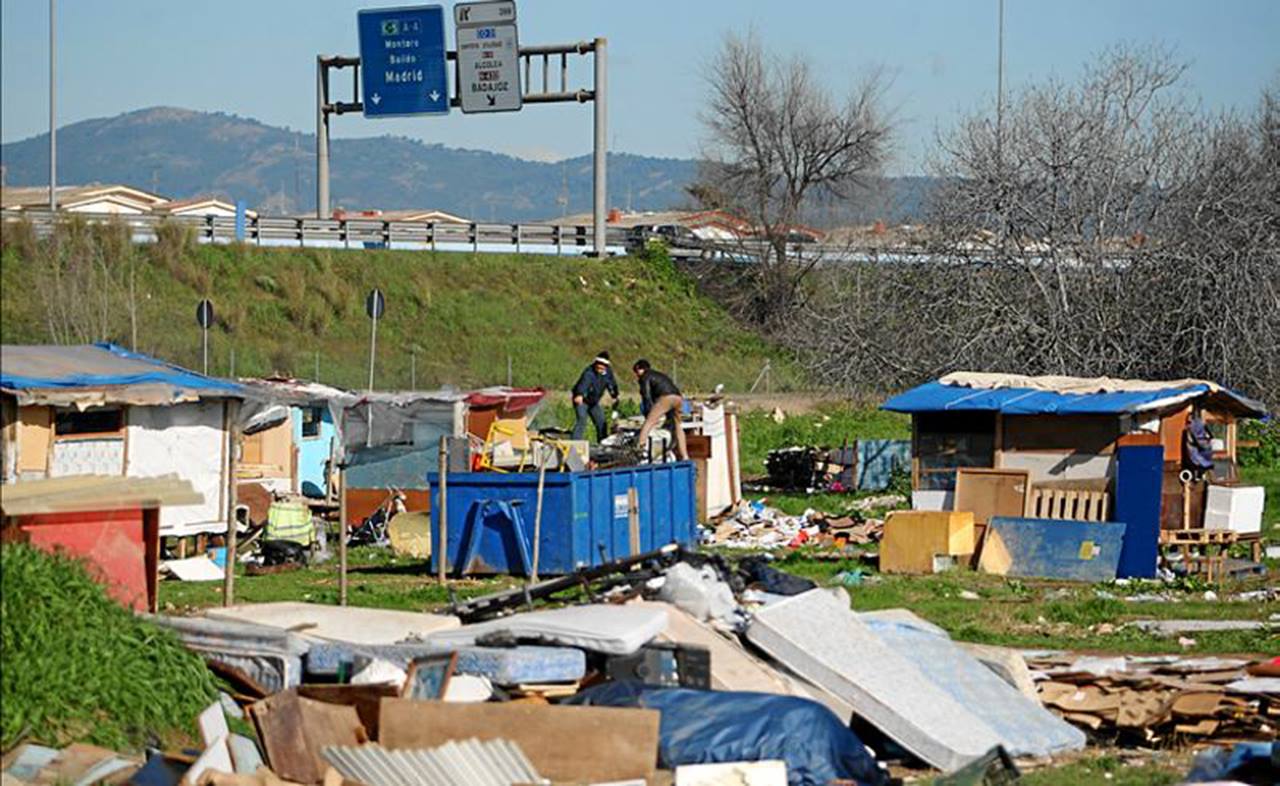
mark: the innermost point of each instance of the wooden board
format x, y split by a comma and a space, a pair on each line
364, 698
1092, 434
293, 730
35, 433
991, 492
699, 446
573, 744
912, 538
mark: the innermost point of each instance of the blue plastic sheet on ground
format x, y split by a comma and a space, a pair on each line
703, 727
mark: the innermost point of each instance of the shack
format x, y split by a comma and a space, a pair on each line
391, 440
1058, 428
99, 409
291, 442
1052, 447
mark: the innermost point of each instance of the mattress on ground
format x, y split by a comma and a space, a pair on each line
601, 627
501, 665
341, 623
815, 635
1024, 726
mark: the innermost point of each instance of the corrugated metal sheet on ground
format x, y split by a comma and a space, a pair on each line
464, 763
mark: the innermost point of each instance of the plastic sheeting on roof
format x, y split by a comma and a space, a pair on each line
939, 397
89, 374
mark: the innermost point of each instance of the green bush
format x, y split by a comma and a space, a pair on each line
1267, 435
78, 667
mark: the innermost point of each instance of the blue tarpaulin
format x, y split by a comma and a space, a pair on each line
703, 727
89, 366
938, 397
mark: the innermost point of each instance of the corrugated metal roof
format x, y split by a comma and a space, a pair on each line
113, 374
938, 397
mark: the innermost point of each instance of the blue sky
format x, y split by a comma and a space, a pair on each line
257, 59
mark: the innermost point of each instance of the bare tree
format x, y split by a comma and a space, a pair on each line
778, 144
1106, 227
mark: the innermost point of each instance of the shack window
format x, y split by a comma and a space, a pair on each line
311, 419
98, 422
948, 440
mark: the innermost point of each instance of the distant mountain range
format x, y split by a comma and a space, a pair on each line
182, 153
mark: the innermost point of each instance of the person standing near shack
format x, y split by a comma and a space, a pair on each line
594, 381
659, 399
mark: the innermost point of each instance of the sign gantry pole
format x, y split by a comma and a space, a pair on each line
403, 70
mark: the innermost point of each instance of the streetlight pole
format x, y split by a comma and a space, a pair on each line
53, 107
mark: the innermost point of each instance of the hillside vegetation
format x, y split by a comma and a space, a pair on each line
462, 314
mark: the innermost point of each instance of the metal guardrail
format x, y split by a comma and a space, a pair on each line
348, 232
365, 232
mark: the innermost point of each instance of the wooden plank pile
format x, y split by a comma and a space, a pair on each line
1162, 699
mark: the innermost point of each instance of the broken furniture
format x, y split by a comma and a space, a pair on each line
921, 541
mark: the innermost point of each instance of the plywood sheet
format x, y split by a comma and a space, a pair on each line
574, 744
913, 537
991, 492
294, 730
35, 430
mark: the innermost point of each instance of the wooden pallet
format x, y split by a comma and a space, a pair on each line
1078, 504
1197, 537
1194, 545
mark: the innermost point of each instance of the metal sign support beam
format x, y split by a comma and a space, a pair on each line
598, 95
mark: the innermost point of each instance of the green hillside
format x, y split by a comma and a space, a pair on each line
463, 314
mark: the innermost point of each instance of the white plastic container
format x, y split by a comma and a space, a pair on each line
1236, 508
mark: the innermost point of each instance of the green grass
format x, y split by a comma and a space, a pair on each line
1110, 770
1269, 479
462, 314
78, 667
376, 579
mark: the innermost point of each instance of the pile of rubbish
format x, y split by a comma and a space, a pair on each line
1156, 698
756, 525
684, 667
676, 662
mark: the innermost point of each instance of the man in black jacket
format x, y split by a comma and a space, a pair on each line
659, 399
595, 380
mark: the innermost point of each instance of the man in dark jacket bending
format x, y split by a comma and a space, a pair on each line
595, 380
659, 399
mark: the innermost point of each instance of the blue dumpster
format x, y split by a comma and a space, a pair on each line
585, 517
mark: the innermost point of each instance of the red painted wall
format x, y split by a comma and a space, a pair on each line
110, 541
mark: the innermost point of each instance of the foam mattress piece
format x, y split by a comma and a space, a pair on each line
340, 623
1025, 727
816, 635
501, 665
613, 630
